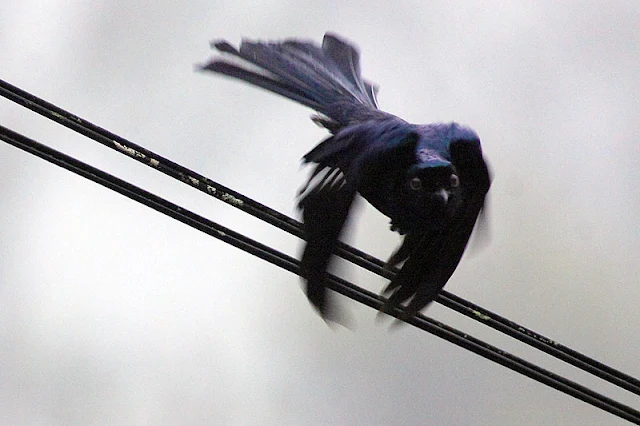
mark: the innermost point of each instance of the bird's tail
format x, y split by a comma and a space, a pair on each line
319, 77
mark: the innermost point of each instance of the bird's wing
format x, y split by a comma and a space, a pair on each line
341, 162
325, 209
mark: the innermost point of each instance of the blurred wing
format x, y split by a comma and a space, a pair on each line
481, 236
409, 244
325, 209
421, 271
343, 162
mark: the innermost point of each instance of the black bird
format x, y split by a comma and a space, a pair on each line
430, 180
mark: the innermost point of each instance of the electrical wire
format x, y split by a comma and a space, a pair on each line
294, 227
337, 284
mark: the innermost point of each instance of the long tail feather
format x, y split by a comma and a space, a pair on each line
265, 82
324, 78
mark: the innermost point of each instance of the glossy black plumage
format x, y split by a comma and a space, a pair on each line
430, 180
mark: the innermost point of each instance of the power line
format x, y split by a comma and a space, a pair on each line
337, 284
294, 227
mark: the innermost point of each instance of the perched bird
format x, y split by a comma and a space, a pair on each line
429, 179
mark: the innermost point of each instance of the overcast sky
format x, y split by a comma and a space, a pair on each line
112, 313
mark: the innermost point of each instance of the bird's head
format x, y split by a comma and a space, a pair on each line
445, 166
426, 193
424, 177
435, 183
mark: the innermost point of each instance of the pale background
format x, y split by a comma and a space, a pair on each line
111, 313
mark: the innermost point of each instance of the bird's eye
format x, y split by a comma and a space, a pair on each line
415, 184
454, 181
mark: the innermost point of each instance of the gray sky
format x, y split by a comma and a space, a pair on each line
112, 313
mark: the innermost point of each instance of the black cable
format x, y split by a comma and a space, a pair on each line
292, 226
337, 284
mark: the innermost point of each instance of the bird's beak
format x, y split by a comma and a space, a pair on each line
443, 194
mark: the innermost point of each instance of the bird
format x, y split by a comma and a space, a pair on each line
430, 180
